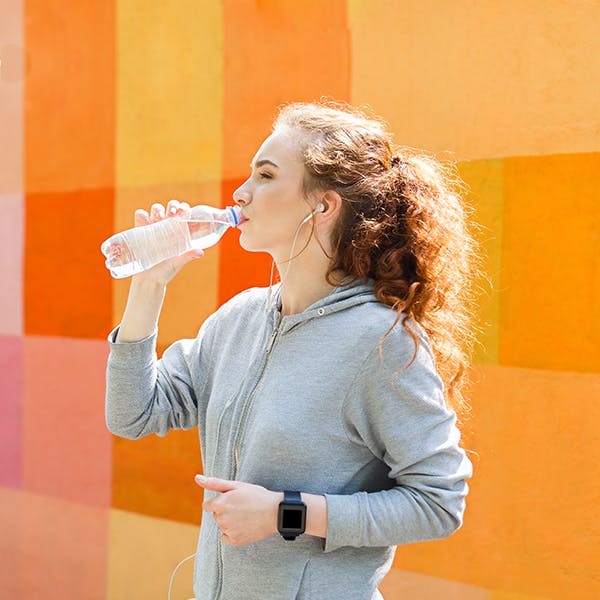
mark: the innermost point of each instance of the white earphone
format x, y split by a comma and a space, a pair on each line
318, 209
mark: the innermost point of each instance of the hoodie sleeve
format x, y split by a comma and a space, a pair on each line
401, 416
145, 395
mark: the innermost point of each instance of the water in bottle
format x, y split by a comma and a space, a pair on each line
135, 250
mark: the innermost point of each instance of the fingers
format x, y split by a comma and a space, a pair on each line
141, 217
158, 212
174, 207
184, 209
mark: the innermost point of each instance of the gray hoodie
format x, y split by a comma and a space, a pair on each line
317, 411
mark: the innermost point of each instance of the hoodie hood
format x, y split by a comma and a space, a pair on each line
344, 296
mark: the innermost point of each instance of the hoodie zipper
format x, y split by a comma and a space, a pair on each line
236, 448
248, 403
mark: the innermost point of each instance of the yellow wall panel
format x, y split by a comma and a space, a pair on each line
151, 548
169, 91
484, 79
484, 179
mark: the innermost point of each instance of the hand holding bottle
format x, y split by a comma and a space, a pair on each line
166, 234
147, 290
164, 271
155, 250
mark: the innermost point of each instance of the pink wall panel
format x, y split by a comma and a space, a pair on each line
11, 398
67, 448
51, 548
11, 263
10, 528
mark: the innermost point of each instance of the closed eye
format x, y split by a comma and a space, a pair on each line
265, 175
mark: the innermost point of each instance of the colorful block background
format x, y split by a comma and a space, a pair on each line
110, 106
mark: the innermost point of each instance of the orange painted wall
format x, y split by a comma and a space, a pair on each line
106, 107
274, 52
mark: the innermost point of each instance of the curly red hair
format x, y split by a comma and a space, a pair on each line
403, 222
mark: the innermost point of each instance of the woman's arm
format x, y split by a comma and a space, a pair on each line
405, 423
144, 395
316, 514
140, 318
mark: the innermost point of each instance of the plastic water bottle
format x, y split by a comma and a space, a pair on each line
135, 250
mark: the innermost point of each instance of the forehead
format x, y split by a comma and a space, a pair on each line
282, 146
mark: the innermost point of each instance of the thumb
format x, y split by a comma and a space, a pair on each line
189, 256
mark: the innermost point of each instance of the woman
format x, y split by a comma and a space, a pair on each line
340, 383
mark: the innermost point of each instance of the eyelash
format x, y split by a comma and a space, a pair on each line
265, 176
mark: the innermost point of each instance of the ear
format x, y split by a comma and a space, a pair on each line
332, 202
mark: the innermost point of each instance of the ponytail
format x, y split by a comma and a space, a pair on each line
403, 223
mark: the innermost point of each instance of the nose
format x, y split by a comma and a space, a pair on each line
241, 196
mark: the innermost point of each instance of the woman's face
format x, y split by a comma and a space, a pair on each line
271, 198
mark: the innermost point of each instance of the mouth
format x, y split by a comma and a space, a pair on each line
243, 219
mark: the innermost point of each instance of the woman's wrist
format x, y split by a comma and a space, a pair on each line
143, 284
316, 513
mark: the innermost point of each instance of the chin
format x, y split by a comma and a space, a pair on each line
248, 246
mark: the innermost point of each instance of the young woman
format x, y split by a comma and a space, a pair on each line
339, 386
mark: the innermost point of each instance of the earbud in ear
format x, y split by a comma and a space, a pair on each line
319, 208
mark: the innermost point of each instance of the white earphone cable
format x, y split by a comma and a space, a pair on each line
289, 261
173, 574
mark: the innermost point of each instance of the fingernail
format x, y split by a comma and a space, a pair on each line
200, 478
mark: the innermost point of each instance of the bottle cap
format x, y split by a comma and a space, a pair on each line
235, 214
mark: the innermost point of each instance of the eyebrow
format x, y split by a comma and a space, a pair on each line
265, 161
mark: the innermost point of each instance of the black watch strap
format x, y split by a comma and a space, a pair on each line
290, 497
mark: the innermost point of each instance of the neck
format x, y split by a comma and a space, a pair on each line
305, 281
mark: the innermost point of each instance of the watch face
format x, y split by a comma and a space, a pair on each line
292, 518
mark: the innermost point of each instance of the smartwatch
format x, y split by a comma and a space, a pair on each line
291, 519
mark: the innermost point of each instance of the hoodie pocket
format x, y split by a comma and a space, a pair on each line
271, 568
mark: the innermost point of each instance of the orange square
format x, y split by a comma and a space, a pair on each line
67, 286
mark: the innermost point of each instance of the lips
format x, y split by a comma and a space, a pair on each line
243, 218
